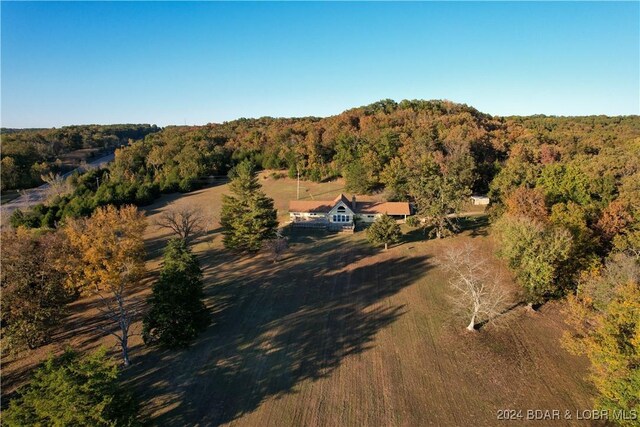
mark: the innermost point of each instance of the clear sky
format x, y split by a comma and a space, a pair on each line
195, 63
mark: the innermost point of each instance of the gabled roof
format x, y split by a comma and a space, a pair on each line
390, 208
342, 198
316, 206
362, 207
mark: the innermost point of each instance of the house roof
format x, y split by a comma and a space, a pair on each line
390, 208
317, 206
342, 198
363, 207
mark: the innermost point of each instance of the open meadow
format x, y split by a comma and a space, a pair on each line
337, 333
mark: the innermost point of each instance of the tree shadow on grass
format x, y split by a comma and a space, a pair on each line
477, 225
283, 324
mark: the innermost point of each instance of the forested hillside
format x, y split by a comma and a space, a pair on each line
375, 147
29, 153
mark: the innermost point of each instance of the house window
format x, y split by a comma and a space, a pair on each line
334, 218
340, 209
347, 218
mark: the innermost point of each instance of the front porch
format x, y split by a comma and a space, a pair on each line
343, 227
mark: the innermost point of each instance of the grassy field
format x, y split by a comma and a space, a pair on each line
75, 158
337, 333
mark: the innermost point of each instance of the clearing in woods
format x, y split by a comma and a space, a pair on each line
339, 333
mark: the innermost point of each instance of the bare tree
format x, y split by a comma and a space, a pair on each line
475, 291
116, 305
187, 223
57, 185
277, 246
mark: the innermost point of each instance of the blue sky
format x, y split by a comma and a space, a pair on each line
195, 63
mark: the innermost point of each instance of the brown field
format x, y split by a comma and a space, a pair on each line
337, 334
75, 158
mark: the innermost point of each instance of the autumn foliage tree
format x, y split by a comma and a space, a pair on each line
111, 249
527, 202
35, 286
605, 316
248, 217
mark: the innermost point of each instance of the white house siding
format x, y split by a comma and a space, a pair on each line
307, 216
368, 217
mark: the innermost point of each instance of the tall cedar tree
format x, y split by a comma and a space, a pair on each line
177, 314
248, 217
605, 315
111, 249
73, 391
34, 291
383, 231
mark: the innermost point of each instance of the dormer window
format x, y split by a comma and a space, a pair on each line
341, 209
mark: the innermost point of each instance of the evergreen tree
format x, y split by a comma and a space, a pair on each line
383, 231
248, 217
177, 313
73, 391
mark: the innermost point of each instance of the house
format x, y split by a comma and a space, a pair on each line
340, 213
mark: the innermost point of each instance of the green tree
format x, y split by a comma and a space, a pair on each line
73, 391
394, 177
357, 178
536, 253
383, 231
248, 217
177, 314
8, 173
440, 185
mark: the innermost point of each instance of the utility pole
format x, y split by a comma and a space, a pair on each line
298, 190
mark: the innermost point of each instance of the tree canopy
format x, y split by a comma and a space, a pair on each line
73, 390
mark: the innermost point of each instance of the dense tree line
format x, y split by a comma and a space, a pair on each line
30, 153
393, 146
